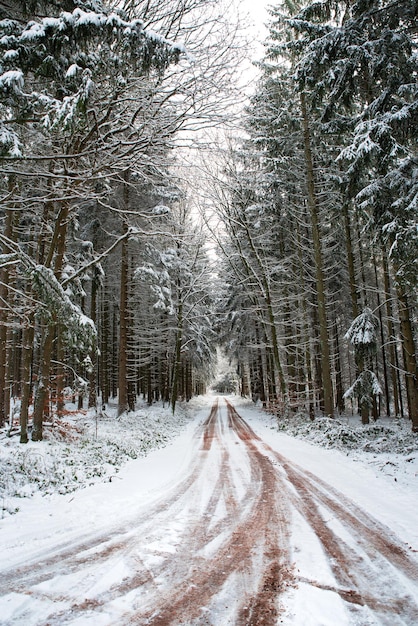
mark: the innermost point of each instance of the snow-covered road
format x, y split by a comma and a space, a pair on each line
240, 534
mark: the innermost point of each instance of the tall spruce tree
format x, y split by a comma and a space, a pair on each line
359, 62
51, 68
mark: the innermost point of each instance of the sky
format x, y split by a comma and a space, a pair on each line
257, 10
258, 16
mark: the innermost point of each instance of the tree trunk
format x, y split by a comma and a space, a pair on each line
149, 384
189, 381
27, 351
275, 347
123, 332
350, 263
320, 283
177, 357
4, 295
338, 373
93, 372
114, 380
409, 357
382, 340
105, 336
393, 355
130, 351
42, 391
60, 375
271, 377
305, 331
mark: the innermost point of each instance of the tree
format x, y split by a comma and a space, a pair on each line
359, 61
297, 222
77, 117
362, 335
60, 55
320, 283
175, 280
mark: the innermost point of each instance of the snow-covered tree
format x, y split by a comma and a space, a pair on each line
362, 334
359, 61
52, 68
176, 276
89, 92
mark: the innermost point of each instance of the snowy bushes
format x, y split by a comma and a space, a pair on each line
97, 451
348, 434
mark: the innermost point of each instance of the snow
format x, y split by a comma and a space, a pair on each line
91, 19
80, 329
363, 328
383, 483
161, 209
10, 141
72, 70
12, 79
377, 471
10, 54
32, 32
81, 450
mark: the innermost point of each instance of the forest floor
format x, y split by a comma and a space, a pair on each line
231, 523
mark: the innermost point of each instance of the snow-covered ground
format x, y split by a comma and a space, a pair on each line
127, 466
388, 445
82, 449
376, 465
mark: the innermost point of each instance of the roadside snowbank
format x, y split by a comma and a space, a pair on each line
388, 445
83, 449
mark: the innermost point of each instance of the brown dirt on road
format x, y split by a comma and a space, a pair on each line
375, 562
260, 532
231, 562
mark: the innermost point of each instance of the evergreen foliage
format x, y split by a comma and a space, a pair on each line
339, 79
92, 97
360, 65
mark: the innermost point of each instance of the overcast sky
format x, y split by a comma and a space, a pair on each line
257, 10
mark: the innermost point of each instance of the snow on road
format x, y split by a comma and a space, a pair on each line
233, 523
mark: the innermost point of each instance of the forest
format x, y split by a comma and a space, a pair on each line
152, 213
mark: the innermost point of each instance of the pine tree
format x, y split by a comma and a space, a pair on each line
362, 335
359, 60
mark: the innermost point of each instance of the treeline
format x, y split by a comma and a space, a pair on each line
320, 206
105, 285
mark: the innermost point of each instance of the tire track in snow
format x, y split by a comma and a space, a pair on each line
218, 549
378, 555
256, 540
97, 549
69, 556
182, 584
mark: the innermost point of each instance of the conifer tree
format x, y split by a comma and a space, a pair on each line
359, 60
362, 335
51, 69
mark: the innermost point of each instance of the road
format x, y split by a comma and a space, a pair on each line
224, 548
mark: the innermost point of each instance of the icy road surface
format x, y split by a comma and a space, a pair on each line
247, 537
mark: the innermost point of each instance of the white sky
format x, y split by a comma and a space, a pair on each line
257, 9
257, 13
